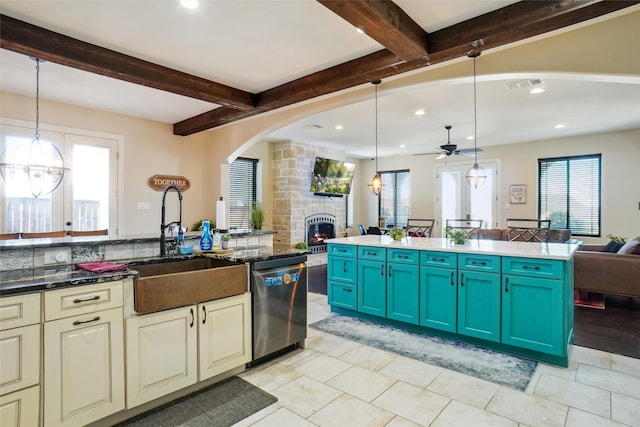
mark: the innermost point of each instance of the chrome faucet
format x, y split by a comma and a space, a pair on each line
163, 226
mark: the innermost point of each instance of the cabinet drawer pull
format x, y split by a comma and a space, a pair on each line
193, 318
382, 269
80, 322
461, 279
204, 314
344, 267
404, 257
506, 284
80, 300
372, 253
530, 267
437, 259
478, 263
452, 278
346, 289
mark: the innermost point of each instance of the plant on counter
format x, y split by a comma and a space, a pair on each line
197, 226
396, 233
301, 245
226, 237
257, 216
616, 239
459, 237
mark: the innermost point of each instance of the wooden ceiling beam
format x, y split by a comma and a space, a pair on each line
384, 22
507, 25
28, 39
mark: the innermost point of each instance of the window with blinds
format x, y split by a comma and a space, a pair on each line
242, 191
570, 193
394, 200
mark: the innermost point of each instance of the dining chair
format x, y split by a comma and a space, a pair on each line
362, 230
419, 227
103, 232
469, 226
43, 234
375, 231
527, 230
9, 236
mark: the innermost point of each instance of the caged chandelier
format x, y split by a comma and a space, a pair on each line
38, 165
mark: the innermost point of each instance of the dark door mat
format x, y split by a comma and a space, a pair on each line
220, 405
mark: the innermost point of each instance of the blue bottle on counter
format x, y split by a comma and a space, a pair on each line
206, 242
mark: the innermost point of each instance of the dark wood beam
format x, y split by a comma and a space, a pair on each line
507, 25
386, 23
28, 39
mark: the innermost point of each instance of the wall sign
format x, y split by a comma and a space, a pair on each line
518, 193
160, 182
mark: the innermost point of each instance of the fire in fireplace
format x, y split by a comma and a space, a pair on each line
319, 228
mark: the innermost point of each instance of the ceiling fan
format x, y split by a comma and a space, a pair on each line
449, 148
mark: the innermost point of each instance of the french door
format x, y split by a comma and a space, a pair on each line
456, 199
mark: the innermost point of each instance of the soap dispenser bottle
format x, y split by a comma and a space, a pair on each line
217, 239
206, 243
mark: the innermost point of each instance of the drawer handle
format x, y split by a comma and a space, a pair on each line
344, 266
193, 318
382, 269
341, 250
346, 289
80, 300
452, 278
478, 263
437, 259
404, 257
80, 322
204, 315
506, 285
530, 267
372, 253
462, 280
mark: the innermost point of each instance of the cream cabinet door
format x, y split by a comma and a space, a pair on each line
224, 334
19, 358
20, 409
83, 368
161, 354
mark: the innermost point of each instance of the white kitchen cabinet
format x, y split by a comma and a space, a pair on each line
84, 357
20, 358
224, 334
161, 354
21, 408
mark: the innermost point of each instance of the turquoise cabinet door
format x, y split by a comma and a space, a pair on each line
403, 285
372, 298
532, 314
342, 294
438, 298
479, 305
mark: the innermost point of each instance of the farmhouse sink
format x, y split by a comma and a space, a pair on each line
181, 282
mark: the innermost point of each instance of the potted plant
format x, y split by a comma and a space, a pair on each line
225, 241
257, 216
458, 237
396, 233
301, 245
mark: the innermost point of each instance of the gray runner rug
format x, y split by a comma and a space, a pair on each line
220, 405
489, 365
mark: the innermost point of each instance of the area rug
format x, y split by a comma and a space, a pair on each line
489, 365
220, 405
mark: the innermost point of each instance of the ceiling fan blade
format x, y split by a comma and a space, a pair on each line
468, 151
427, 154
441, 156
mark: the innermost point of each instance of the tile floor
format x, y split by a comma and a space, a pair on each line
336, 382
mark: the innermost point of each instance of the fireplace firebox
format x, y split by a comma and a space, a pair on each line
320, 227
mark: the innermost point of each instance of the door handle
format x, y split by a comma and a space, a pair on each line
506, 284
193, 318
461, 279
452, 278
344, 266
389, 271
382, 269
204, 314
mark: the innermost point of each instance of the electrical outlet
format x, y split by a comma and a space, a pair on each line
143, 206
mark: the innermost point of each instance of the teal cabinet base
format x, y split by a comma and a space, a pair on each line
534, 355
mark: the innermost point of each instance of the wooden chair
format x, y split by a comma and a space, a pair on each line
104, 232
528, 230
419, 227
470, 226
9, 236
44, 234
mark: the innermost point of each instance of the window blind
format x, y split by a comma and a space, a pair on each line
242, 191
394, 200
570, 193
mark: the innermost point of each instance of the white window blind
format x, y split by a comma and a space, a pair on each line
570, 193
395, 197
242, 191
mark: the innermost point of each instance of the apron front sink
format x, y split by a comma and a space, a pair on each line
178, 283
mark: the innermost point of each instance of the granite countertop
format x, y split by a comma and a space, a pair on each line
38, 279
559, 251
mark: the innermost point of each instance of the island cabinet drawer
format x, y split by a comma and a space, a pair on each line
533, 267
487, 263
403, 256
439, 259
20, 310
342, 295
342, 250
342, 269
82, 300
372, 253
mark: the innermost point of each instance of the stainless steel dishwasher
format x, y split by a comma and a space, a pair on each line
279, 301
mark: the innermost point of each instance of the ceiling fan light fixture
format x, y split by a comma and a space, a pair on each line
476, 176
376, 182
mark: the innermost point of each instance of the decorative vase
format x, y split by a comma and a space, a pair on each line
225, 244
206, 242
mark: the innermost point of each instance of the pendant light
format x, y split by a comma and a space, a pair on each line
476, 176
40, 163
376, 181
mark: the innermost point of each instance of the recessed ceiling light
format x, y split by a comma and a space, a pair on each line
339, 127
559, 126
359, 30
402, 146
536, 90
189, 4
420, 112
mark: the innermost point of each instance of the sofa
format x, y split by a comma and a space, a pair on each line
615, 273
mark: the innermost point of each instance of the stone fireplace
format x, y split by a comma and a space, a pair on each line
319, 228
293, 204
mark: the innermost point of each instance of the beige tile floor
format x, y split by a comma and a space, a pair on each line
336, 382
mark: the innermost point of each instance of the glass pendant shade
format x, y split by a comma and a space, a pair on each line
376, 184
476, 176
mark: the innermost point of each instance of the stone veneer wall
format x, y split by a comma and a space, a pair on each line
292, 164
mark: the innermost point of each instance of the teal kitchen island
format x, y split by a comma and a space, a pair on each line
515, 297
